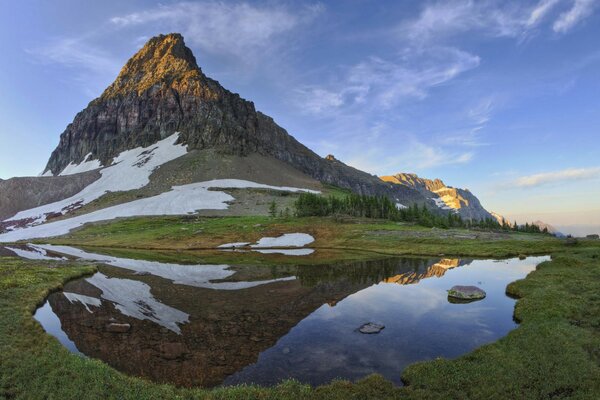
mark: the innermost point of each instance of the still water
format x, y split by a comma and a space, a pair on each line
211, 325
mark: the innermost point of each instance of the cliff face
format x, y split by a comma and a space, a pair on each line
461, 201
161, 90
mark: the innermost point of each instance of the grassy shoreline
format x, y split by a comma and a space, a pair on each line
553, 354
379, 237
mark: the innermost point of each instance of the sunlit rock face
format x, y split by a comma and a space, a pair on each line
460, 201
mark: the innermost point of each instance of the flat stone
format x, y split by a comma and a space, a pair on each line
468, 293
118, 328
370, 328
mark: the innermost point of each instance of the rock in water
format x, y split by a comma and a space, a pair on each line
370, 328
465, 293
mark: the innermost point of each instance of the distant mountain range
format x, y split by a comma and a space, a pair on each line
165, 137
459, 201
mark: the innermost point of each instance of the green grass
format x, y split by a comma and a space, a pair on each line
353, 238
555, 352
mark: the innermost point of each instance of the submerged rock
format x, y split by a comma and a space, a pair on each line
460, 293
370, 328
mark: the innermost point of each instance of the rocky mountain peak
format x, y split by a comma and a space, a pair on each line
460, 201
163, 59
414, 181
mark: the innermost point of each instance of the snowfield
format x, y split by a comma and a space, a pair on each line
84, 166
180, 200
130, 170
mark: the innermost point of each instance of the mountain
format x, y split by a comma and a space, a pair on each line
500, 218
165, 139
551, 229
161, 90
460, 201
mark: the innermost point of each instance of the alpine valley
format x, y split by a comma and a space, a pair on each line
164, 139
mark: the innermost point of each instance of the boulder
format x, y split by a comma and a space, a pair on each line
465, 293
370, 328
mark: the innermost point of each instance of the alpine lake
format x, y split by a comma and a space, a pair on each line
174, 319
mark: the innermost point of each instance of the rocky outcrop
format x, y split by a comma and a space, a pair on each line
161, 90
465, 293
17, 194
461, 201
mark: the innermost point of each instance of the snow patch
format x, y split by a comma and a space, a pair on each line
441, 204
400, 206
87, 301
130, 170
86, 165
285, 240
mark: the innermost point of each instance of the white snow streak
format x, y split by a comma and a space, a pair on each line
84, 166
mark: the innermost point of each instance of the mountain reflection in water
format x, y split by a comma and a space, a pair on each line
284, 322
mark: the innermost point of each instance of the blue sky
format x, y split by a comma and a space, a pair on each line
499, 97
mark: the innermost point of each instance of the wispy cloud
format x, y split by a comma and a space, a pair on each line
444, 19
238, 29
581, 9
93, 68
540, 11
382, 83
569, 174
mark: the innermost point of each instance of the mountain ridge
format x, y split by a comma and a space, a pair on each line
459, 201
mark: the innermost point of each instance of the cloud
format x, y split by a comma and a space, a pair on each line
581, 9
382, 83
92, 65
543, 8
569, 174
441, 20
237, 29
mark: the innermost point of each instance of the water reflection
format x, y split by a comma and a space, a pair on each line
190, 326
